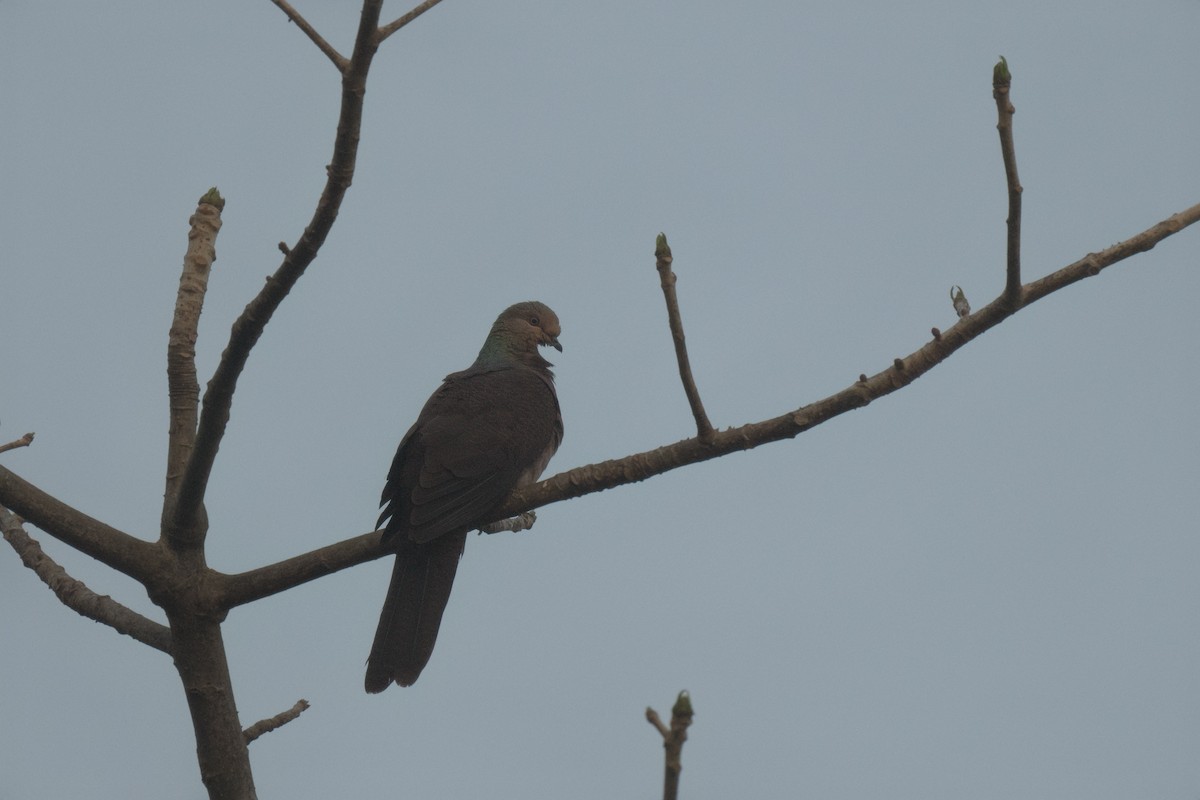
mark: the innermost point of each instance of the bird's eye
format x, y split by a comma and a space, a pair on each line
534, 321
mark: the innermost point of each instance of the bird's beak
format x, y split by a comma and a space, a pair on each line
553, 342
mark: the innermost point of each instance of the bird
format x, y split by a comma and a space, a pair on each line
486, 431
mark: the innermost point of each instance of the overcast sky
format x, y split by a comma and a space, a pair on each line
983, 586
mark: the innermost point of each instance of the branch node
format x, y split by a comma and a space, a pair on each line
212, 198
898, 364
673, 739
937, 334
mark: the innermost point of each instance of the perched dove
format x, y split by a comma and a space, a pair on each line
486, 431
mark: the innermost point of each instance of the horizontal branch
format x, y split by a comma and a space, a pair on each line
75, 595
255, 584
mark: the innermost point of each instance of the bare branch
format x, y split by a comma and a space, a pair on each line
115, 548
293, 15
278, 721
75, 595
183, 388
392, 27
24, 441
663, 258
264, 581
218, 399
245, 587
640, 466
1001, 81
673, 739
1093, 263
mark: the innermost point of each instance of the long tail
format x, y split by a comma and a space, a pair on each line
412, 612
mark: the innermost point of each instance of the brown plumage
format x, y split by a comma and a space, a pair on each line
486, 431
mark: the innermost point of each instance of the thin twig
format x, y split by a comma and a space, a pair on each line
293, 15
663, 260
75, 595
392, 27
278, 721
24, 441
1001, 82
673, 739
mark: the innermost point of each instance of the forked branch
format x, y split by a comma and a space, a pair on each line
673, 738
218, 399
275, 578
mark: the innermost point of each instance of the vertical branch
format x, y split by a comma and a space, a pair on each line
183, 389
663, 259
673, 739
203, 667
1001, 82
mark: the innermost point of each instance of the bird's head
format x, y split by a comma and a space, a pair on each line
522, 328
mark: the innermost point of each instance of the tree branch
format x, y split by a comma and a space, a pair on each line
392, 27
274, 578
75, 595
638, 467
1001, 81
218, 399
255, 584
663, 259
325, 47
24, 441
183, 388
104, 543
273, 723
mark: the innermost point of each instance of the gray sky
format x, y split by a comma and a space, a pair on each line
983, 586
